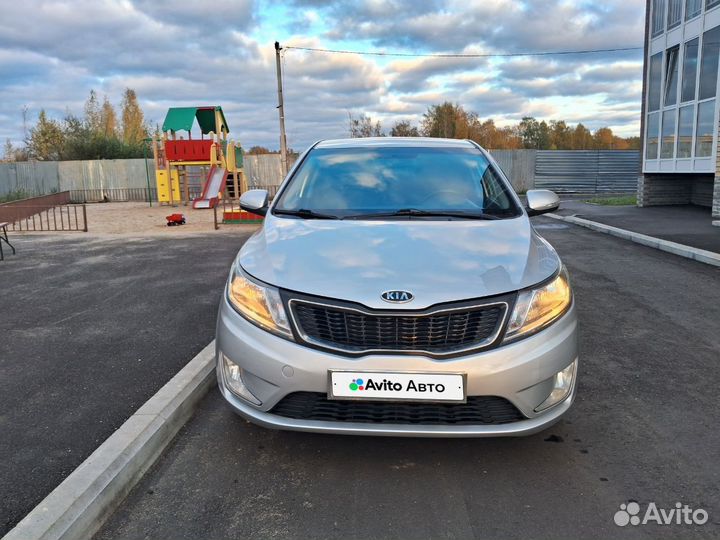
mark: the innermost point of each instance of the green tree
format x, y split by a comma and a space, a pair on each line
560, 135
134, 129
446, 120
633, 143
257, 150
46, 139
404, 128
535, 134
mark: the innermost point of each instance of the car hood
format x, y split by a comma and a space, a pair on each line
437, 261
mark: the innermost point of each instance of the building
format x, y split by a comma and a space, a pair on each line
681, 161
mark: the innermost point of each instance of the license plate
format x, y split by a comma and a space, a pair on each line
397, 386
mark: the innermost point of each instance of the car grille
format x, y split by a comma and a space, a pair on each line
355, 331
478, 410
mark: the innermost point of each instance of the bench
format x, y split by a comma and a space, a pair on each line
4, 238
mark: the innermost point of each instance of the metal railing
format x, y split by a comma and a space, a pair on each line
64, 217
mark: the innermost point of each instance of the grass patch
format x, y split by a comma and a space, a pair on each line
624, 200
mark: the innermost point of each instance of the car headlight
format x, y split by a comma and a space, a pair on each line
259, 303
536, 308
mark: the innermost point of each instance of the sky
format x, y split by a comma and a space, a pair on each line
221, 52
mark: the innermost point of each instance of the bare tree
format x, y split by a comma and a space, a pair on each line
363, 126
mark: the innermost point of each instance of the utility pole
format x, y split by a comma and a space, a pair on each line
281, 112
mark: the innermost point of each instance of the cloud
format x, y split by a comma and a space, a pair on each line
221, 52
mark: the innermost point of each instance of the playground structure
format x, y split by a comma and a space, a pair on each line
177, 160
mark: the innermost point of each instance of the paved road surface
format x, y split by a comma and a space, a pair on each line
644, 427
689, 225
90, 328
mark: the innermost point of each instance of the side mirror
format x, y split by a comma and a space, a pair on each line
255, 201
541, 201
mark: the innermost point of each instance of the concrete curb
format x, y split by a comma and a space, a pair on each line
78, 507
700, 255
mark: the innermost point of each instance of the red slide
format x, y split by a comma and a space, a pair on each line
213, 186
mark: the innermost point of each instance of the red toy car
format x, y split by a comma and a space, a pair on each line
175, 219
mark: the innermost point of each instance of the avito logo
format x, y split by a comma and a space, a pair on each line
390, 386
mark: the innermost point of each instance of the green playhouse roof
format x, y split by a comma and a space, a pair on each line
182, 118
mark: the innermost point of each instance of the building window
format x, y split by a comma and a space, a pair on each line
692, 8
674, 13
704, 134
651, 137
689, 70
709, 63
685, 129
671, 76
658, 19
654, 84
667, 145
711, 3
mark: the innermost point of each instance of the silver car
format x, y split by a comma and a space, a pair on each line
397, 287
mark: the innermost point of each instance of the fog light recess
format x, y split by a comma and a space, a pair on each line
233, 375
562, 384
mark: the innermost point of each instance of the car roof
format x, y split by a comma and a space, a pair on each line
369, 142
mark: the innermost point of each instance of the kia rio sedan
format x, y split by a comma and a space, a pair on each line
397, 287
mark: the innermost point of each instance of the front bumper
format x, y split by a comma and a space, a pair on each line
521, 372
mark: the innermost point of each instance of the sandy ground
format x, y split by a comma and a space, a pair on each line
137, 219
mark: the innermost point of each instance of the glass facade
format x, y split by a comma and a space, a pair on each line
690, 69
681, 86
704, 132
654, 83
667, 144
709, 63
651, 136
685, 132
674, 17
671, 76
658, 17
692, 9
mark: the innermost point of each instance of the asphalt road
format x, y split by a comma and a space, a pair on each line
90, 328
644, 428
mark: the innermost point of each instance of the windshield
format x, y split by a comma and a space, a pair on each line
347, 182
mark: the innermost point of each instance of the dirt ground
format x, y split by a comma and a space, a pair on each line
137, 219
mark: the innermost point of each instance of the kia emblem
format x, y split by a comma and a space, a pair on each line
397, 297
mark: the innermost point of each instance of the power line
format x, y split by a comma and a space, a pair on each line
464, 55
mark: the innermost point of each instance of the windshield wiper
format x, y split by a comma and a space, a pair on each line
425, 213
304, 213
